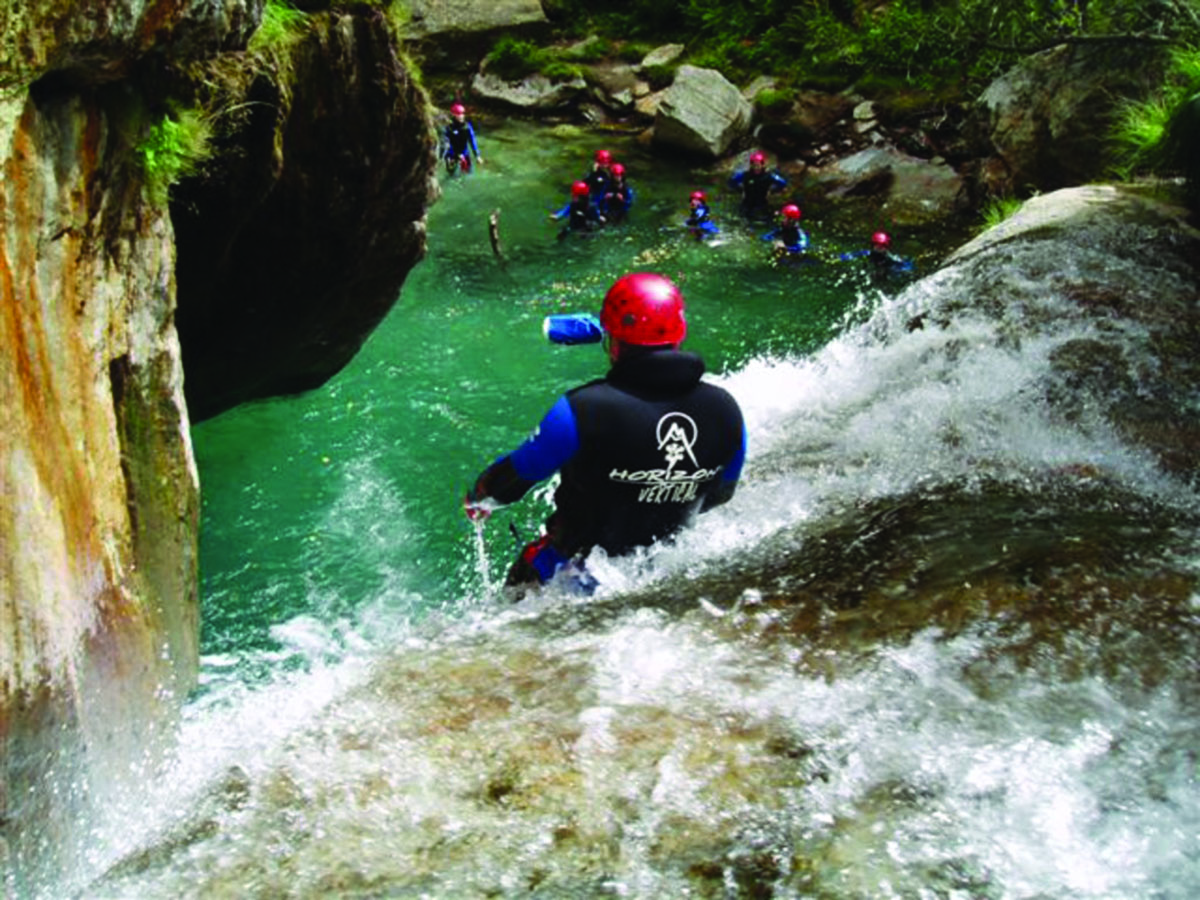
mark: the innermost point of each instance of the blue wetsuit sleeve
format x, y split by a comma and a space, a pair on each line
471, 140
733, 471
736, 178
553, 442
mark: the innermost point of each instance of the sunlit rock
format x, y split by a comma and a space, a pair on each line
701, 114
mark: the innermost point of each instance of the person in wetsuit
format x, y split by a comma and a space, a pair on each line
699, 222
883, 264
756, 183
788, 237
599, 180
581, 214
620, 196
641, 451
458, 141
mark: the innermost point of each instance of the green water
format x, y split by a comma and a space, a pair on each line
314, 505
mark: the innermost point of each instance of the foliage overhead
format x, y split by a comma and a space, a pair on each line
910, 44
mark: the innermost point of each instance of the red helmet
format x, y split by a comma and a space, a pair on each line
458, 110
881, 239
603, 157
791, 211
757, 158
698, 195
644, 309
618, 169
580, 189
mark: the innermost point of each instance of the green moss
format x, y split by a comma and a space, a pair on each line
773, 103
513, 59
660, 76
175, 146
282, 26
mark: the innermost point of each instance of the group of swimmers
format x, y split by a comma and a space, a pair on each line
600, 197
603, 196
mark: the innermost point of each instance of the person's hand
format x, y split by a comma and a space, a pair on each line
477, 511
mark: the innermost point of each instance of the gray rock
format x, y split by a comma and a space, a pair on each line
913, 191
1044, 116
662, 56
702, 114
433, 17
537, 92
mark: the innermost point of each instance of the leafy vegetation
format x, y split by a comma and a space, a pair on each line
934, 46
513, 59
176, 146
282, 25
997, 210
1161, 135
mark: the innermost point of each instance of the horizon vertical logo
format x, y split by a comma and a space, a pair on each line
676, 434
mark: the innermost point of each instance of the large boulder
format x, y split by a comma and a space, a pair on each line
453, 35
282, 275
277, 266
702, 114
433, 17
536, 93
1047, 120
910, 191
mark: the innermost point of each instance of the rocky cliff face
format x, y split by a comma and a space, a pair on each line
98, 487
294, 248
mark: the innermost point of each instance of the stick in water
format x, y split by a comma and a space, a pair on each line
494, 233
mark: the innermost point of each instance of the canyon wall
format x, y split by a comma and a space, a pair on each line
99, 493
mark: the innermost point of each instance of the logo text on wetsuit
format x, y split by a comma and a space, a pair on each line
676, 434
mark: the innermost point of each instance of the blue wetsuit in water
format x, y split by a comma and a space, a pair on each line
700, 224
641, 452
883, 265
756, 185
793, 238
600, 183
581, 215
459, 145
619, 201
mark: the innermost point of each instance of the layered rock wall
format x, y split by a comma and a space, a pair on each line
99, 493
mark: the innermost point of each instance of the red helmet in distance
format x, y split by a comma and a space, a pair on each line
757, 158
881, 239
458, 110
618, 169
698, 195
603, 157
791, 211
644, 309
580, 189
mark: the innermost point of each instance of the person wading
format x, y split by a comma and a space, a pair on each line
641, 451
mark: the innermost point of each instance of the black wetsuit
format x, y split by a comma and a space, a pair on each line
642, 451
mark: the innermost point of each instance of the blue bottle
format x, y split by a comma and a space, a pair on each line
573, 328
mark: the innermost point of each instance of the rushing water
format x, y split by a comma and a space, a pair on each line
942, 644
